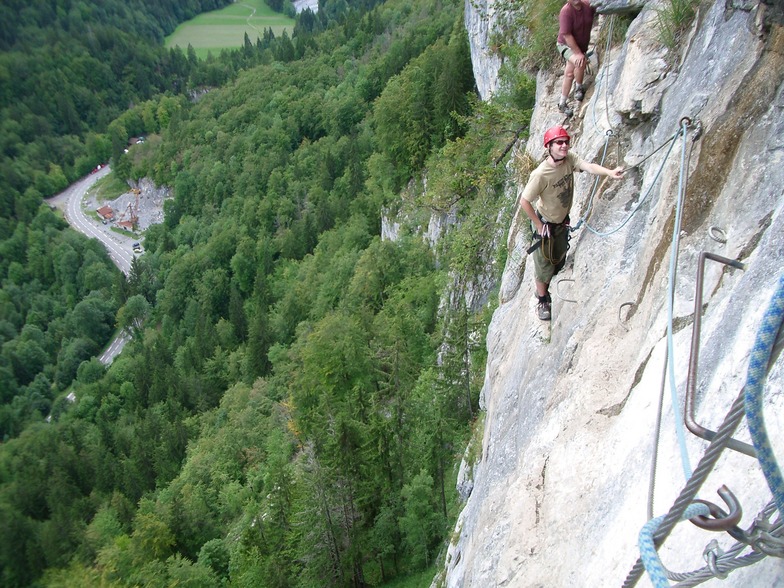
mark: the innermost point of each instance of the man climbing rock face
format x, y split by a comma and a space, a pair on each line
547, 199
574, 33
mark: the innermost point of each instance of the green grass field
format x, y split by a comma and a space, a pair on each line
226, 28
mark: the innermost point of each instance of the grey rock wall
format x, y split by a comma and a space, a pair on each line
479, 19
563, 485
618, 6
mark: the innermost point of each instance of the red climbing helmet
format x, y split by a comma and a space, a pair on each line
554, 133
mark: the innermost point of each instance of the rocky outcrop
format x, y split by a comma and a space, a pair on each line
479, 19
618, 6
563, 484
300, 5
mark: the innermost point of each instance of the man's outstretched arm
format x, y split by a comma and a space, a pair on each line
595, 168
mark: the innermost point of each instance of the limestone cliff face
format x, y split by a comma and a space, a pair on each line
479, 21
562, 487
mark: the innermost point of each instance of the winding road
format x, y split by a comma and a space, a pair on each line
120, 247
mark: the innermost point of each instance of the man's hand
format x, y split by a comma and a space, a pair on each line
577, 57
595, 168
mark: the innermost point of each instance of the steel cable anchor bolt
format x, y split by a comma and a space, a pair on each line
721, 520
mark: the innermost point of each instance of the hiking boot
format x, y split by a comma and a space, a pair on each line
543, 310
564, 108
579, 93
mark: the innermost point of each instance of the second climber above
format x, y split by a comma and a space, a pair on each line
574, 33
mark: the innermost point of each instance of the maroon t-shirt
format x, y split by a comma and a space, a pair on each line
577, 23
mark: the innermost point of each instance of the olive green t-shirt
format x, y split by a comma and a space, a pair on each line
550, 189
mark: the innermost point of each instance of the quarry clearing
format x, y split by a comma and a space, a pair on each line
148, 208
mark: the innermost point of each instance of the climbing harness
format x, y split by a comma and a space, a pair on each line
764, 537
546, 241
548, 246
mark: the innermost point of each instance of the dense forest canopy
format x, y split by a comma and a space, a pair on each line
64, 98
67, 69
295, 394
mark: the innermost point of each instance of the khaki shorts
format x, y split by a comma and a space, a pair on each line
564, 51
550, 258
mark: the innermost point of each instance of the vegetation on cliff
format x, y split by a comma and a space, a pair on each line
291, 411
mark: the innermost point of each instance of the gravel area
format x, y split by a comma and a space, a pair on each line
300, 5
150, 209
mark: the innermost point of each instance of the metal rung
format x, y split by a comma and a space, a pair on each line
691, 380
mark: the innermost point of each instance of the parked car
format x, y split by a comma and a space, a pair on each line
137, 248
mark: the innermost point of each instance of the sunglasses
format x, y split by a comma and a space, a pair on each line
561, 142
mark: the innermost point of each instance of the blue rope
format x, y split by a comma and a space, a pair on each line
676, 237
758, 367
648, 553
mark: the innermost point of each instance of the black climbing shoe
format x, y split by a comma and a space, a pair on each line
579, 93
543, 311
564, 108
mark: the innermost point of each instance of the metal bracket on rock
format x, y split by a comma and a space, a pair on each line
558, 289
621, 320
691, 378
697, 131
721, 520
717, 235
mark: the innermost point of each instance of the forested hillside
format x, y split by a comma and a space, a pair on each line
45, 274
67, 69
296, 394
